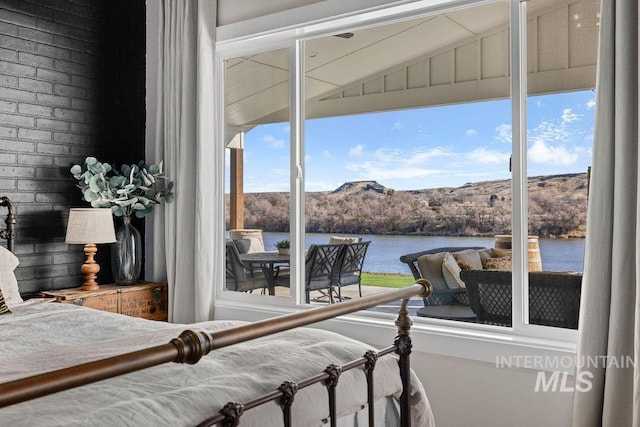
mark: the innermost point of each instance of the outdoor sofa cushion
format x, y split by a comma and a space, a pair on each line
430, 266
451, 272
442, 269
497, 263
470, 257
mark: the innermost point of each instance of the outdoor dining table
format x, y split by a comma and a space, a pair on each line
269, 260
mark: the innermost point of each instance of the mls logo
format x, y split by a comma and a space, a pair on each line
560, 382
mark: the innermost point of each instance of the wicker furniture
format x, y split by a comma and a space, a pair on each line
439, 296
554, 297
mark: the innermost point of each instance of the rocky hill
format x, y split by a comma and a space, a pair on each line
354, 186
557, 208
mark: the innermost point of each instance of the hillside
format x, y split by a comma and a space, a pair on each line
557, 208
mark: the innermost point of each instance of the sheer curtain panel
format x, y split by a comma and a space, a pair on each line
607, 391
186, 143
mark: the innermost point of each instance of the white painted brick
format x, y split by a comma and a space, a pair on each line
16, 120
35, 109
40, 135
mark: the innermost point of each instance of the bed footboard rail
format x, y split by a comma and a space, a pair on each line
232, 412
190, 346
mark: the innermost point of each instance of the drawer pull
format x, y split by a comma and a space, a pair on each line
77, 301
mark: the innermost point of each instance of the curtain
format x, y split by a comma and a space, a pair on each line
184, 230
607, 384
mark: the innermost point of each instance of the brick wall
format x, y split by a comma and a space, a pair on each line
71, 85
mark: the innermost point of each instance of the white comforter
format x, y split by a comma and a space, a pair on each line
41, 337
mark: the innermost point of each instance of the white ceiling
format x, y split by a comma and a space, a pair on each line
257, 87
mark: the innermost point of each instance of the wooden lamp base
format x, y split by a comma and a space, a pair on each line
90, 268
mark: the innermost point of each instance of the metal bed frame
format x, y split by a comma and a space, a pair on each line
190, 346
8, 233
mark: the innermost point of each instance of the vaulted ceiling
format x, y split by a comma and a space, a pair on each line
459, 56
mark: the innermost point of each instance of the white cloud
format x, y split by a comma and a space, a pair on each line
483, 156
471, 132
421, 157
273, 142
307, 157
569, 116
356, 151
379, 171
503, 133
550, 131
540, 152
397, 126
326, 154
591, 104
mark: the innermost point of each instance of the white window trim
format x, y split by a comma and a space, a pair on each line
289, 30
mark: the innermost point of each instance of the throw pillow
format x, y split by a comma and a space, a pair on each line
464, 266
451, 272
3, 305
500, 263
498, 252
469, 256
8, 281
485, 253
430, 267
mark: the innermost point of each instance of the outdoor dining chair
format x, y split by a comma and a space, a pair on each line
349, 267
241, 277
320, 265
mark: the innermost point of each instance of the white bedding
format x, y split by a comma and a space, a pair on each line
41, 337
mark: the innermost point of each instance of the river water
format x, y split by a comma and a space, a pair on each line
383, 255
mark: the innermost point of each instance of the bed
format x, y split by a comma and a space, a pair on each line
74, 366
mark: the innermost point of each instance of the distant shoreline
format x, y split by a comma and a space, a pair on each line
557, 208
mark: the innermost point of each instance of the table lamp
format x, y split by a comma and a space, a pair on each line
89, 226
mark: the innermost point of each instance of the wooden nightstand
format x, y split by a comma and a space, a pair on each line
144, 299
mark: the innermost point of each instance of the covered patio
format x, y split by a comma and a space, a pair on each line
457, 57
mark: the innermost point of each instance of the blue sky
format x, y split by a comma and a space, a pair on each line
445, 146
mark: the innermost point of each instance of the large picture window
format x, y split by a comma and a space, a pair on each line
406, 137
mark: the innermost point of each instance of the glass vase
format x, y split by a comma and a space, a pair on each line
126, 253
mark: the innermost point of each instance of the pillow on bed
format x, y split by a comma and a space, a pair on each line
3, 305
8, 281
430, 266
451, 272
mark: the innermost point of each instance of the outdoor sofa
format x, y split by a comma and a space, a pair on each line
483, 282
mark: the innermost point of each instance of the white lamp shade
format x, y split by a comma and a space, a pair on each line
90, 225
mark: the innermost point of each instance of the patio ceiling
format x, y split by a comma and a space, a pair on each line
460, 56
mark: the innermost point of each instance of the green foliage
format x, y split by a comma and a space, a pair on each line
282, 244
128, 190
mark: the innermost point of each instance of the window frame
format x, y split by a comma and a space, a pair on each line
274, 32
